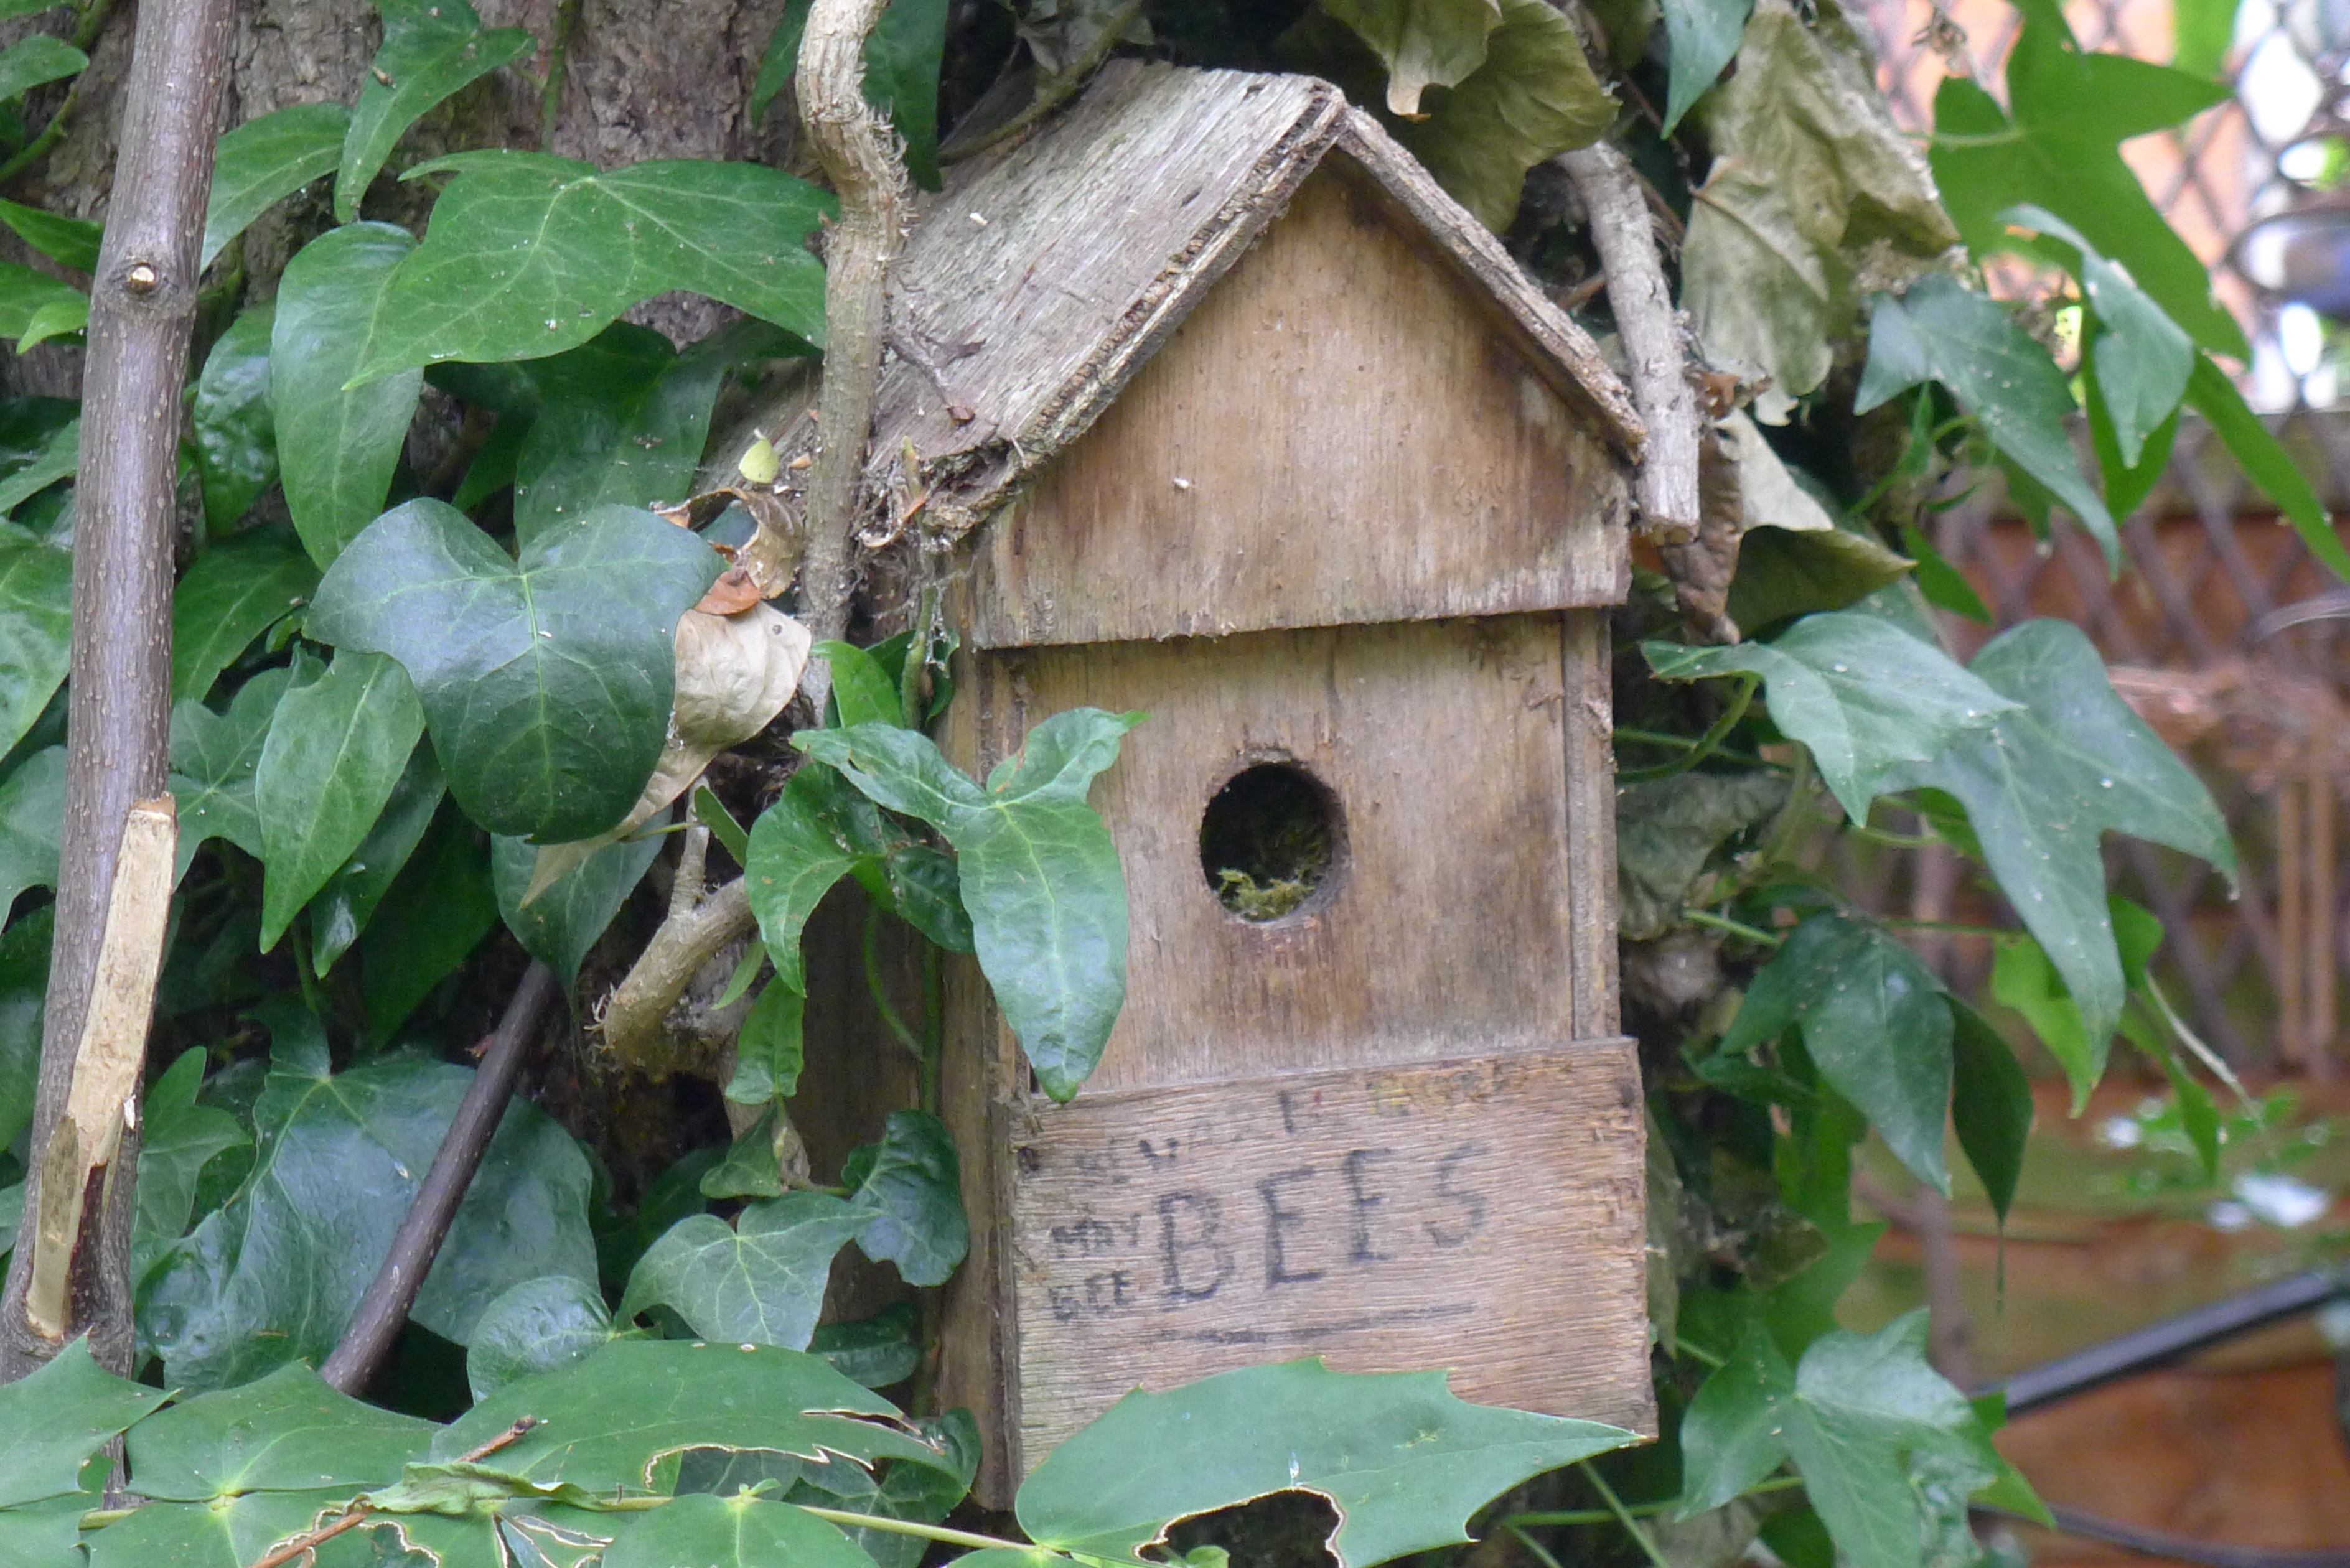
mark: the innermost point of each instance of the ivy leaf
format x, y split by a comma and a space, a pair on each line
214, 758
927, 888
234, 593
1846, 1414
23, 987
528, 255
1040, 877
608, 1421
1874, 1022
752, 1166
47, 1534
236, 436
339, 911
758, 1281
768, 1052
433, 915
818, 831
68, 241
336, 446
2211, 394
738, 1532
250, 1290
1864, 695
59, 318
1297, 1426
540, 1326
1990, 1103
2140, 356
862, 692
181, 1139
2041, 785
267, 160
32, 814
25, 293
877, 1352
288, 1432
226, 1533
1704, 36
2071, 110
913, 1191
2024, 980
1422, 42
1809, 173
431, 49
335, 748
36, 629
54, 1419
30, 62
902, 57
546, 683
1666, 830
621, 421
562, 923
1943, 331
1533, 99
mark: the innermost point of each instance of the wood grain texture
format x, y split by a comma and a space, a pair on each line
1448, 923
1340, 434
1481, 1215
1049, 273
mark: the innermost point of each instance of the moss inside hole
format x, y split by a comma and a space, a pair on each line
1268, 839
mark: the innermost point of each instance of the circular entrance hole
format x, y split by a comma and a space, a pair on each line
1269, 838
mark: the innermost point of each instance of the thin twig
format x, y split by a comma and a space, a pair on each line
1735, 928
1623, 1515
383, 1310
1714, 736
85, 33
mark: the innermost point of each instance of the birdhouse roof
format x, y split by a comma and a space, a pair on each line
1048, 274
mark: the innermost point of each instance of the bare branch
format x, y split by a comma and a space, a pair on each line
635, 1021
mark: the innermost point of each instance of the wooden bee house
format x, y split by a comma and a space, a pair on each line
1239, 419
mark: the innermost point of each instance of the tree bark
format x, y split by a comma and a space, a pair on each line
142, 305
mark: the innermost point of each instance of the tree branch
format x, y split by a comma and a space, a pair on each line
142, 305
859, 153
384, 1309
635, 1019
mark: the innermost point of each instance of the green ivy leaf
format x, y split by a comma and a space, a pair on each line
24, 988
341, 909
234, 593
2203, 30
36, 629
541, 1325
818, 831
30, 62
335, 748
1702, 36
25, 293
1533, 97
927, 888
54, 1419
236, 436
1666, 829
913, 1192
1990, 1103
338, 446
546, 683
431, 49
1422, 42
68, 241
563, 922
250, 1290
288, 1432
32, 813
47, 1534
1297, 1426
752, 1166
433, 915
214, 758
227, 1532
1874, 1022
902, 55
179, 1140
768, 1050
2041, 785
58, 318
1943, 331
607, 1422
59, 457
1846, 1414
1942, 584
2212, 394
738, 1532
862, 692
528, 255
1039, 873
876, 1352
758, 1281
1864, 695
267, 160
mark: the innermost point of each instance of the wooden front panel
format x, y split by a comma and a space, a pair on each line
1470, 909
1484, 1216
1339, 433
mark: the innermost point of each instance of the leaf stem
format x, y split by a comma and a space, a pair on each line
881, 993
1623, 1515
926, 1531
1684, 742
1641, 1510
1542, 1552
1735, 928
1723, 725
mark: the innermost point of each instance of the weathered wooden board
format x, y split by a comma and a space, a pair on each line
1483, 1215
1340, 433
1468, 909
